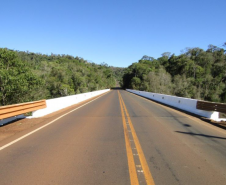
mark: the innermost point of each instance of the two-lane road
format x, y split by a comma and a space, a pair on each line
119, 138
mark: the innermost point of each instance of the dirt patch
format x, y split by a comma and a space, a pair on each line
18, 126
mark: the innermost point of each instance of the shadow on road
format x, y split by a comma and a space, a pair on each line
186, 125
116, 88
221, 124
203, 135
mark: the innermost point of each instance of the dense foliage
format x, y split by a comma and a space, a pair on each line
195, 74
27, 76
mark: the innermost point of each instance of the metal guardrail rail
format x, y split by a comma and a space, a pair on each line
22, 108
211, 106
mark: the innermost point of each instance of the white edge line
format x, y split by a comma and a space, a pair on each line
26, 135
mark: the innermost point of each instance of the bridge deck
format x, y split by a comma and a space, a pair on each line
88, 146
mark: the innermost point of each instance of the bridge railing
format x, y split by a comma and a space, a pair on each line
22, 108
43, 107
211, 106
201, 108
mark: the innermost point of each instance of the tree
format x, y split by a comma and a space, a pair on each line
17, 82
135, 82
195, 74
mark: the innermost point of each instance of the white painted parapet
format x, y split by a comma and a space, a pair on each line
63, 102
186, 104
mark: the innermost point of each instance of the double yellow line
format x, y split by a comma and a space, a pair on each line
130, 155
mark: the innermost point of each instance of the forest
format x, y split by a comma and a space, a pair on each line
27, 76
194, 73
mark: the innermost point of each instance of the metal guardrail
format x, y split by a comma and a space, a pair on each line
22, 108
211, 106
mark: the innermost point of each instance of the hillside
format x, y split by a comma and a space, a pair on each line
27, 76
195, 74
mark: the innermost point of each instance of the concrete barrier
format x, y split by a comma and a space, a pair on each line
63, 102
186, 104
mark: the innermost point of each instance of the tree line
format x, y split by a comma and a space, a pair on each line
28, 76
195, 74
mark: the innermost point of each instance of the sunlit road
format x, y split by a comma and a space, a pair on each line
119, 138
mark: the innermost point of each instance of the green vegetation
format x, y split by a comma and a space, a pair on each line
27, 76
195, 74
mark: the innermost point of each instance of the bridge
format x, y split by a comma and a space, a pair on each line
115, 138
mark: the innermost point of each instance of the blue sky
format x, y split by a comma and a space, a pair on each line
117, 32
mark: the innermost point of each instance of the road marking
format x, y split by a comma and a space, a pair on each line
140, 171
28, 134
131, 164
147, 173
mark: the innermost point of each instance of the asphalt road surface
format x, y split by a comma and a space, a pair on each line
119, 138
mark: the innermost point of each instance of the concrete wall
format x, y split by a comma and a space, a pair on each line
60, 103
186, 104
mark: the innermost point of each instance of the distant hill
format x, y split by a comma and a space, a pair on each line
28, 76
195, 74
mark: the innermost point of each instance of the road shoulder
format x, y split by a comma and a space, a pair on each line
18, 128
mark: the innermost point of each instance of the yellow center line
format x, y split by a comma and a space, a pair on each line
131, 164
147, 173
